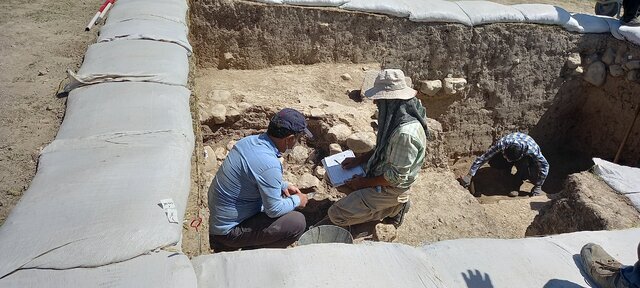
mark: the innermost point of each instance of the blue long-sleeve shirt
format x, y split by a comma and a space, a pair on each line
248, 182
532, 150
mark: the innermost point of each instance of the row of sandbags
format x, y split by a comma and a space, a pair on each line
110, 192
552, 261
472, 13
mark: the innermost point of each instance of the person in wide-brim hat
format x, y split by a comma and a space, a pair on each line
392, 167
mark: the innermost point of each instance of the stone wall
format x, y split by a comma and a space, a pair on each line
518, 76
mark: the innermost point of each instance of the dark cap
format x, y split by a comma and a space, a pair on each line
292, 120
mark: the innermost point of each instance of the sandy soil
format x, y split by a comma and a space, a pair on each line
40, 40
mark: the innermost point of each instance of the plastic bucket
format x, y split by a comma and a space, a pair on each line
325, 234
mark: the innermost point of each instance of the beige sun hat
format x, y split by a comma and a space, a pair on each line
387, 84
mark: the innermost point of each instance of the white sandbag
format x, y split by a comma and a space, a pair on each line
321, 265
486, 12
134, 60
96, 201
623, 179
586, 23
148, 9
635, 199
631, 34
161, 269
437, 11
614, 27
126, 107
317, 3
398, 8
543, 14
269, 1
158, 30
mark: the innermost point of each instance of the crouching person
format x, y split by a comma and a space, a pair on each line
251, 206
391, 168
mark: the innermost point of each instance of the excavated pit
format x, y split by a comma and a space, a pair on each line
254, 59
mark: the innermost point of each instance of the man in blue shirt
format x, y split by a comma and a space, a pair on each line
517, 149
250, 205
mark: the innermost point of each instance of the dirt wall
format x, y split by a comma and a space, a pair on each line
517, 74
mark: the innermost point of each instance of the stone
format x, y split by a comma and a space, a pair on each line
317, 113
244, 106
385, 233
633, 64
609, 56
430, 87
632, 75
596, 73
591, 58
218, 113
228, 56
320, 172
208, 178
233, 114
42, 72
219, 96
361, 142
307, 181
345, 76
579, 70
573, 61
210, 163
334, 148
454, 86
220, 153
230, 144
299, 154
339, 133
616, 70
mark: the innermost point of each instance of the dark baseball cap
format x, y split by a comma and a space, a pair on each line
293, 120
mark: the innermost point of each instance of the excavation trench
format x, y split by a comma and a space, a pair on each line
254, 59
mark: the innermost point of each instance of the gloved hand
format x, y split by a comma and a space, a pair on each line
465, 180
536, 190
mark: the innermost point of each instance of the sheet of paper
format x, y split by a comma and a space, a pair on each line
170, 210
337, 175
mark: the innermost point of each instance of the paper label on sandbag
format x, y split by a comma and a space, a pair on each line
170, 210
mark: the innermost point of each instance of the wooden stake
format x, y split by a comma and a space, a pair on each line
624, 141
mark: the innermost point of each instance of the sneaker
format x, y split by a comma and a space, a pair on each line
633, 22
396, 220
603, 269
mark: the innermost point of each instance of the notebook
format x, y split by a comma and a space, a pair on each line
337, 175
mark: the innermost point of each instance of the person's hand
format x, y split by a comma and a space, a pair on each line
465, 180
291, 190
536, 190
303, 200
350, 162
356, 183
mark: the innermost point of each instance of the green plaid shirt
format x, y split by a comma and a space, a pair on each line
404, 155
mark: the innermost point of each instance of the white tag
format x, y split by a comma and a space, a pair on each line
170, 210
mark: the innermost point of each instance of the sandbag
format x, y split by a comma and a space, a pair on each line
317, 3
631, 34
586, 23
623, 179
134, 60
437, 11
614, 27
161, 269
96, 201
126, 107
325, 265
158, 30
171, 10
398, 8
543, 14
486, 12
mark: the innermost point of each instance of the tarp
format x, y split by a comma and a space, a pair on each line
437, 11
172, 10
126, 107
532, 262
317, 3
623, 179
96, 201
486, 12
398, 8
158, 30
543, 14
161, 269
132, 60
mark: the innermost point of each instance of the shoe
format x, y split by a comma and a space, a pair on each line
396, 220
635, 21
603, 269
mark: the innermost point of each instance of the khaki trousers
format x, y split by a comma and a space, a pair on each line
367, 204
